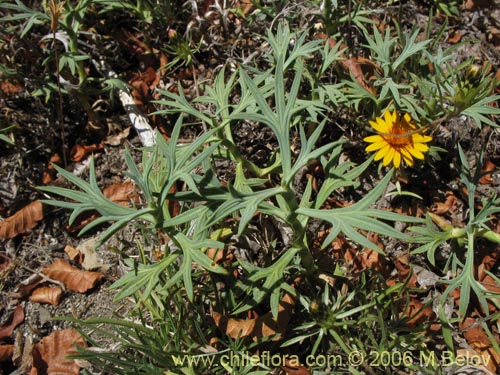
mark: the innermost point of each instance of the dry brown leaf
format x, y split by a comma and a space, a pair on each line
117, 139
405, 271
16, 319
417, 313
481, 361
86, 256
5, 264
455, 37
494, 36
174, 207
473, 4
46, 294
356, 66
22, 221
49, 355
371, 259
245, 6
479, 341
49, 174
293, 367
492, 286
9, 88
122, 194
73, 254
257, 328
6, 352
449, 205
74, 279
79, 152
486, 170
220, 255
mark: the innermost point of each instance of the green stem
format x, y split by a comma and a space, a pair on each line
290, 205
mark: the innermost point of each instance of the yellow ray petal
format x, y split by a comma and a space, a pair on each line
390, 118
381, 126
405, 153
415, 153
376, 146
388, 156
382, 152
374, 139
419, 138
397, 159
408, 161
421, 147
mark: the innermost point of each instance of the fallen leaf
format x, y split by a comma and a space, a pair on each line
26, 286
79, 152
257, 328
117, 139
472, 4
49, 174
479, 341
356, 66
293, 367
122, 194
49, 355
405, 271
474, 334
74, 279
6, 352
492, 286
119, 193
372, 259
22, 356
5, 263
417, 313
46, 294
245, 6
73, 254
481, 361
85, 255
486, 170
22, 221
9, 88
455, 37
16, 319
494, 36
174, 207
449, 204
220, 255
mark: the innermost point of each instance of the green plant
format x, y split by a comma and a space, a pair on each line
350, 14
417, 77
365, 317
64, 21
461, 262
208, 205
449, 7
4, 137
182, 51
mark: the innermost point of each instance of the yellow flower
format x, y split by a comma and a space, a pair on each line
398, 139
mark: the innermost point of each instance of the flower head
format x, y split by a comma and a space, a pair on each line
398, 139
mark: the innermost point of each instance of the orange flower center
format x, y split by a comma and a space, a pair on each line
400, 136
